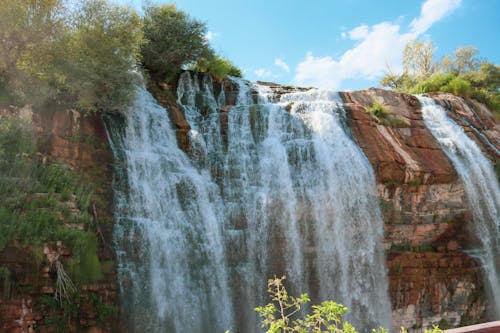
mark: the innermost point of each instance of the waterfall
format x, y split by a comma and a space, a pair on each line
299, 196
481, 188
168, 235
269, 185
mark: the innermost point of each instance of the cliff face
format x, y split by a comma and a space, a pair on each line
79, 145
432, 278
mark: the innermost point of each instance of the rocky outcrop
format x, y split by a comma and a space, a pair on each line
478, 122
79, 143
432, 279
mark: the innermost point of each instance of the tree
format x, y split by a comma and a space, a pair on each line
172, 40
465, 60
84, 62
94, 63
462, 73
26, 26
417, 59
218, 67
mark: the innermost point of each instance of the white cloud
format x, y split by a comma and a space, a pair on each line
377, 46
359, 32
281, 64
343, 35
431, 12
211, 35
263, 73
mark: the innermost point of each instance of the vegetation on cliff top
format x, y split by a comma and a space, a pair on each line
87, 56
462, 73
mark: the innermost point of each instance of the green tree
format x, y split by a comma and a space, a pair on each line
82, 58
91, 66
417, 59
218, 67
282, 314
171, 40
466, 60
26, 27
462, 73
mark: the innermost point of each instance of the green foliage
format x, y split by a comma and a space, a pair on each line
171, 40
284, 314
30, 194
462, 74
457, 86
82, 58
5, 282
26, 27
60, 318
85, 55
433, 83
417, 59
412, 248
99, 55
378, 110
218, 67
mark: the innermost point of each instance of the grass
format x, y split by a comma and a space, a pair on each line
30, 197
378, 110
412, 248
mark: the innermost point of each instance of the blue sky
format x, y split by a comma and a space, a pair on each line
341, 45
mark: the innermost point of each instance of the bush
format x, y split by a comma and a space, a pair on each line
457, 86
171, 40
434, 83
96, 61
218, 67
283, 314
378, 110
84, 61
30, 193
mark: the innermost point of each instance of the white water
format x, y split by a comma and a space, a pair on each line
172, 263
481, 187
299, 197
261, 192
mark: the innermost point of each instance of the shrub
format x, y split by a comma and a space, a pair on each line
218, 67
80, 57
378, 110
171, 40
280, 315
434, 83
29, 196
283, 314
457, 86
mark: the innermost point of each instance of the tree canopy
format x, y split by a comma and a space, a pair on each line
89, 56
461, 73
171, 39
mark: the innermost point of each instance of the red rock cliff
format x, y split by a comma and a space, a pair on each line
80, 143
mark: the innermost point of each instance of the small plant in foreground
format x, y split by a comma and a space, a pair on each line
283, 314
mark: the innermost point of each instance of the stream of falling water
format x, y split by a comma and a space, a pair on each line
168, 234
270, 185
481, 187
299, 196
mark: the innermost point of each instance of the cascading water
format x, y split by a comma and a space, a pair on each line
299, 196
481, 188
168, 235
261, 191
